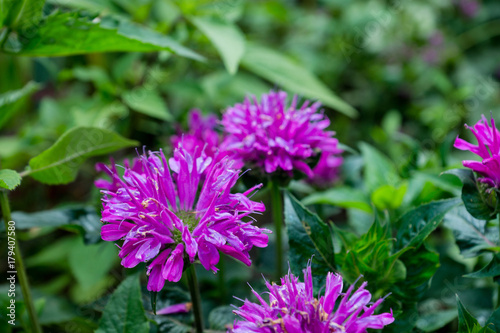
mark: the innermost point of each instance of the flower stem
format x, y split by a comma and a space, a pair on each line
277, 204
195, 298
21, 272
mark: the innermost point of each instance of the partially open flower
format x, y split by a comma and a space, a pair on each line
164, 218
292, 308
274, 136
488, 148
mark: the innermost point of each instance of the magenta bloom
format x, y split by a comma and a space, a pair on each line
488, 148
327, 169
273, 135
292, 308
201, 132
163, 218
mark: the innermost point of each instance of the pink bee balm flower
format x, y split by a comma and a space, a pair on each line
327, 169
292, 308
164, 219
201, 132
488, 148
273, 135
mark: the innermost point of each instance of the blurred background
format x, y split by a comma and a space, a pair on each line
401, 75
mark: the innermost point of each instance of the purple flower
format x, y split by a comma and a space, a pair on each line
327, 169
163, 217
176, 308
488, 148
273, 135
201, 132
292, 308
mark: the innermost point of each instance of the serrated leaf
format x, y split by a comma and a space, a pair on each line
63, 34
492, 269
59, 164
10, 101
220, 317
147, 101
494, 320
418, 223
124, 312
283, 71
467, 323
472, 235
308, 236
345, 197
227, 39
9, 179
378, 170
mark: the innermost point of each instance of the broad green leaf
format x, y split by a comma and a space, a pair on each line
62, 34
389, 197
9, 179
418, 223
97, 6
378, 170
147, 101
285, 72
492, 269
472, 235
345, 197
227, 39
494, 320
59, 164
467, 323
10, 101
124, 312
308, 237
436, 320
220, 317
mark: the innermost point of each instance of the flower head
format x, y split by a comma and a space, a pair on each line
488, 148
273, 135
327, 169
164, 219
292, 308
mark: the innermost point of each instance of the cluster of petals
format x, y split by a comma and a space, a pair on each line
292, 308
274, 136
488, 148
163, 217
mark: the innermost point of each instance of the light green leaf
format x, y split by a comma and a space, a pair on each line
9, 179
10, 101
389, 197
59, 164
147, 101
227, 39
62, 34
345, 197
378, 170
283, 71
124, 312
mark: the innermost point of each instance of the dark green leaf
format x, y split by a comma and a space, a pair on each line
59, 164
436, 320
227, 39
220, 317
10, 101
378, 170
492, 269
494, 320
124, 312
20, 15
62, 34
345, 197
281, 70
308, 236
147, 101
472, 235
418, 223
467, 323
9, 179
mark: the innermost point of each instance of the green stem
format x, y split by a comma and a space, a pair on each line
195, 298
277, 207
21, 272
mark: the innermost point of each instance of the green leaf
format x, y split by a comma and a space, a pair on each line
21, 15
283, 71
418, 223
147, 101
472, 235
227, 39
9, 179
11, 101
345, 197
220, 317
494, 320
379, 170
59, 164
436, 320
389, 197
124, 312
492, 269
308, 236
62, 34
467, 323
